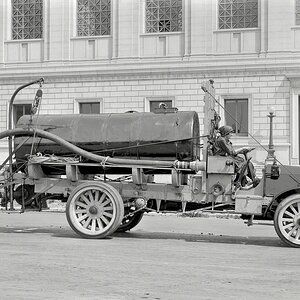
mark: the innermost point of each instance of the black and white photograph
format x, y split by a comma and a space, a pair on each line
149, 149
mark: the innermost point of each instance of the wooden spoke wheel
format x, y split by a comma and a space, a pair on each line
94, 210
287, 220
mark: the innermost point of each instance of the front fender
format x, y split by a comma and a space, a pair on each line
270, 210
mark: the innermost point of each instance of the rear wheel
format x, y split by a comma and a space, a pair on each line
24, 193
287, 220
94, 210
130, 222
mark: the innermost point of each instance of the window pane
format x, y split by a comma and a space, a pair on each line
93, 17
89, 108
236, 115
95, 108
297, 12
27, 109
19, 110
163, 15
238, 14
155, 104
27, 19
230, 113
242, 116
18, 113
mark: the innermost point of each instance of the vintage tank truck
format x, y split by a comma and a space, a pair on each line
107, 168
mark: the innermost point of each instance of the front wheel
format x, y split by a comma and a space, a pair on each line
94, 210
287, 220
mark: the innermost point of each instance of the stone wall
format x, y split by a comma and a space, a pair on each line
129, 67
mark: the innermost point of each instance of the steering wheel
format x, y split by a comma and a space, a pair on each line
247, 149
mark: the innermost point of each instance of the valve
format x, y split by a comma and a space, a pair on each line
36, 101
193, 165
229, 163
217, 189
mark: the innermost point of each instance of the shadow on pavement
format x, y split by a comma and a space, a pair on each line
205, 238
64, 232
55, 231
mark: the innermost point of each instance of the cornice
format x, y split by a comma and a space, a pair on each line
128, 68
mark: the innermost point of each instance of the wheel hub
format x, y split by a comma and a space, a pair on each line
93, 210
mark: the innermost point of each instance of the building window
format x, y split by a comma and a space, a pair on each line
236, 115
88, 106
297, 12
238, 14
20, 110
160, 104
163, 16
27, 19
93, 17
153, 103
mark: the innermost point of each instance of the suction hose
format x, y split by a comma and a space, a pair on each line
195, 166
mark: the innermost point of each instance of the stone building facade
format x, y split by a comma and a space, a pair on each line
113, 56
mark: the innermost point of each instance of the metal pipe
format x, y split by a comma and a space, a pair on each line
10, 154
271, 149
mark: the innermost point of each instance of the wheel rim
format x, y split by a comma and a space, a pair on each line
289, 221
93, 210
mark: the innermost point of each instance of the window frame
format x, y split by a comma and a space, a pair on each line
79, 101
147, 101
162, 32
76, 29
10, 24
15, 104
297, 3
237, 28
224, 98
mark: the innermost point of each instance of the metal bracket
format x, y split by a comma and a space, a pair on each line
73, 173
138, 176
176, 178
35, 171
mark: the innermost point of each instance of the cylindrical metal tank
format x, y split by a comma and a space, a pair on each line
165, 136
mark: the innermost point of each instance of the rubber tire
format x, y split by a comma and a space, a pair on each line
287, 202
134, 221
117, 204
29, 193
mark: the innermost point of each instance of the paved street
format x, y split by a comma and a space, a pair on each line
164, 257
